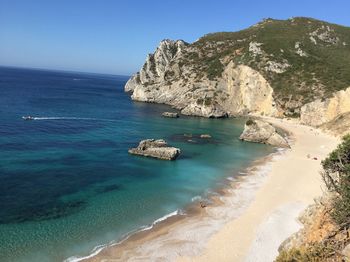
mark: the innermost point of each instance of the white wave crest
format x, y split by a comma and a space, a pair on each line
99, 248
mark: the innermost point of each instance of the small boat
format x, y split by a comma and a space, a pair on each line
28, 118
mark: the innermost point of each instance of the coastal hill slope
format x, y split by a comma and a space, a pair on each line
272, 68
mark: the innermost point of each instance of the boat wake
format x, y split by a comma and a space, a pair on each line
71, 118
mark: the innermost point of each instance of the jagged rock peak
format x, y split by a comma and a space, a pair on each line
157, 64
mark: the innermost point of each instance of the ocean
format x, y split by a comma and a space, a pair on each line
67, 182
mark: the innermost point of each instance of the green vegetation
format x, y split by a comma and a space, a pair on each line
323, 69
336, 176
313, 253
215, 68
250, 122
208, 101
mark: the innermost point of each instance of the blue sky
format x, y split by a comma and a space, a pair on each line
106, 36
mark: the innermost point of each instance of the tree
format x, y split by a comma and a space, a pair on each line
336, 176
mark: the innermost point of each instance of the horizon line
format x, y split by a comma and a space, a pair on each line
61, 70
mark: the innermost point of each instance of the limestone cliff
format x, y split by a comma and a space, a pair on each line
339, 126
273, 68
239, 91
319, 112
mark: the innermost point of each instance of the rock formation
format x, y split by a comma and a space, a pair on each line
260, 71
262, 132
170, 114
319, 230
240, 91
320, 112
156, 149
339, 126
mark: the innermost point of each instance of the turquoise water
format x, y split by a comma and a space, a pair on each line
67, 183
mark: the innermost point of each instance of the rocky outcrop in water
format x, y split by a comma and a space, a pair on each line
156, 149
262, 132
170, 114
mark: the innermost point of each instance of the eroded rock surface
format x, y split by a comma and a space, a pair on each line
319, 112
262, 132
339, 126
156, 149
239, 90
170, 114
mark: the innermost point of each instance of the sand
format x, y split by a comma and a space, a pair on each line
293, 184
250, 220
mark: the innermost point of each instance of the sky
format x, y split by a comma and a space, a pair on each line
114, 37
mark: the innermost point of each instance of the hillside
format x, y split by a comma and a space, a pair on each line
272, 68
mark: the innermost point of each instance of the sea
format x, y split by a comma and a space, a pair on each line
67, 182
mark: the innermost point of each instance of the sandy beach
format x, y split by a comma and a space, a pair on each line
249, 220
292, 185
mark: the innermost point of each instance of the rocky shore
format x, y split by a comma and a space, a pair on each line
262, 132
156, 149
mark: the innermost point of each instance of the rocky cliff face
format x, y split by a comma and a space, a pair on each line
239, 91
320, 112
320, 239
339, 126
273, 68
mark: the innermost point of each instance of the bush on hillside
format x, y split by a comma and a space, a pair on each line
336, 176
250, 122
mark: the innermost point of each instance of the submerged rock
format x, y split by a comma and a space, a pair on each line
170, 114
262, 132
197, 139
156, 149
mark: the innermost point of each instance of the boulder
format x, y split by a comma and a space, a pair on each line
262, 132
156, 149
170, 114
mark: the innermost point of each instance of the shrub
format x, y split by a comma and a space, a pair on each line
316, 252
199, 101
208, 101
336, 176
250, 122
215, 69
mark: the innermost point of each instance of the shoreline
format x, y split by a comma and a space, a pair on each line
244, 183
210, 226
293, 184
